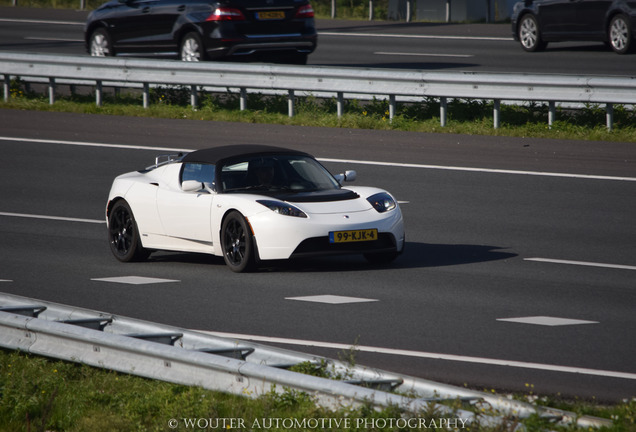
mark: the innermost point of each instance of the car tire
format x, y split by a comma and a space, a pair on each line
529, 34
620, 34
191, 48
236, 243
100, 44
123, 235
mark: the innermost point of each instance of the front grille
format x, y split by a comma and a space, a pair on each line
321, 246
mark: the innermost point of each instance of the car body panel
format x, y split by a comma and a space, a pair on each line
573, 20
157, 26
171, 218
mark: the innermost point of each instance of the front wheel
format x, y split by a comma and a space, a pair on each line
192, 48
620, 34
100, 44
529, 34
236, 243
123, 235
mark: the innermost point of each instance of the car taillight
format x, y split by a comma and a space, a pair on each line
226, 14
305, 12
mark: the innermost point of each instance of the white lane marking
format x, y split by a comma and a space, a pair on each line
360, 162
134, 280
482, 170
427, 355
406, 36
34, 21
547, 321
331, 299
5, 280
582, 263
406, 54
93, 144
50, 39
57, 218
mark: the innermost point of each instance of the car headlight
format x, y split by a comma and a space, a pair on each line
382, 202
282, 208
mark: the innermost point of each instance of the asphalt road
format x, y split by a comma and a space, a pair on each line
421, 46
498, 229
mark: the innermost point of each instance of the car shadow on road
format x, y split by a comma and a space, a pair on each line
416, 255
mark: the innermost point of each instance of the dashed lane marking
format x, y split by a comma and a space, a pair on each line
331, 299
547, 321
134, 280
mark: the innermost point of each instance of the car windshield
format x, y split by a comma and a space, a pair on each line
275, 173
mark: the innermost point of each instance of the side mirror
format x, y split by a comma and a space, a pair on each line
191, 186
348, 176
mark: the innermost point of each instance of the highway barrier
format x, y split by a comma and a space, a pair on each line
340, 82
244, 368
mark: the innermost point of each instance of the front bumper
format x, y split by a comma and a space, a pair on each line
283, 237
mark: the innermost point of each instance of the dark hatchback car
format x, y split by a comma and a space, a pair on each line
537, 22
193, 30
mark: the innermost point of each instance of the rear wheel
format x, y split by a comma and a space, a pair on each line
620, 34
529, 34
100, 44
123, 235
192, 48
236, 243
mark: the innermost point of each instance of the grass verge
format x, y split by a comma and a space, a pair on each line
39, 394
465, 116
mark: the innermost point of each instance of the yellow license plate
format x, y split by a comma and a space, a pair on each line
353, 236
270, 15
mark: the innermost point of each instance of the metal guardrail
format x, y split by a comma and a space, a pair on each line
392, 84
240, 367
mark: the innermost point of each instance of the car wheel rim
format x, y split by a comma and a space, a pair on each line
190, 51
234, 242
528, 33
99, 46
121, 231
619, 34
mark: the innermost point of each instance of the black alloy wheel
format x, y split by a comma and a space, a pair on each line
123, 235
236, 243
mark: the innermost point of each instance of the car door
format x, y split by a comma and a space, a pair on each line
132, 27
165, 15
591, 16
185, 215
557, 18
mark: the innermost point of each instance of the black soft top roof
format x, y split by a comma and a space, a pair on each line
216, 154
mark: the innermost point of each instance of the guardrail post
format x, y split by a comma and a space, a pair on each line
98, 93
609, 116
551, 113
497, 114
370, 10
443, 111
194, 96
6, 87
340, 104
243, 99
391, 107
146, 95
290, 102
333, 9
51, 91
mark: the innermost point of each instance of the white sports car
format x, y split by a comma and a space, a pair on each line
249, 203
